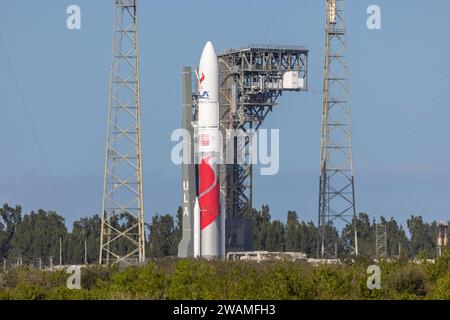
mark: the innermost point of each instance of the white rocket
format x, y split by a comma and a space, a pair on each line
209, 153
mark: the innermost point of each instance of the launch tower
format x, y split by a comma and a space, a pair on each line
252, 79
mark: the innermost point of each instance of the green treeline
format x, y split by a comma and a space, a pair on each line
37, 236
170, 278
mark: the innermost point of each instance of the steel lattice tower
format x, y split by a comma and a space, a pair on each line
336, 195
122, 230
381, 240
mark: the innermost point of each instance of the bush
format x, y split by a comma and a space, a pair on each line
196, 280
332, 282
408, 282
96, 276
440, 268
141, 283
218, 280
28, 292
442, 289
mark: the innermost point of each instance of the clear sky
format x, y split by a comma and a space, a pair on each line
54, 95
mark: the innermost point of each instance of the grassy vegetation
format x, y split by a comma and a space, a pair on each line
196, 279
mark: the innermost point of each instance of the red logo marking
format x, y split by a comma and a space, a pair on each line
204, 140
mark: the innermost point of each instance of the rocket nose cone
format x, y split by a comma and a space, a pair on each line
208, 74
209, 49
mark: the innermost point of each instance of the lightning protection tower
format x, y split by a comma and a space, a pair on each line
336, 195
122, 229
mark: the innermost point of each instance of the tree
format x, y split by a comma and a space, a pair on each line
308, 238
162, 237
276, 238
10, 218
293, 232
423, 236
85, 229
366, 235
38, 236
261, 228
397, 241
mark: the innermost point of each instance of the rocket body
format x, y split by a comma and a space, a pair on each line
186, 245
209, 152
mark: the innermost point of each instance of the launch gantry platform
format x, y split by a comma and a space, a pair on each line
251, 80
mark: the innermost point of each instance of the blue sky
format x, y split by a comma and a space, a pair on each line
54, 94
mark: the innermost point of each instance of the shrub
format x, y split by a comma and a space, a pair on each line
246, 280
442, 289
407, 282
196, 280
